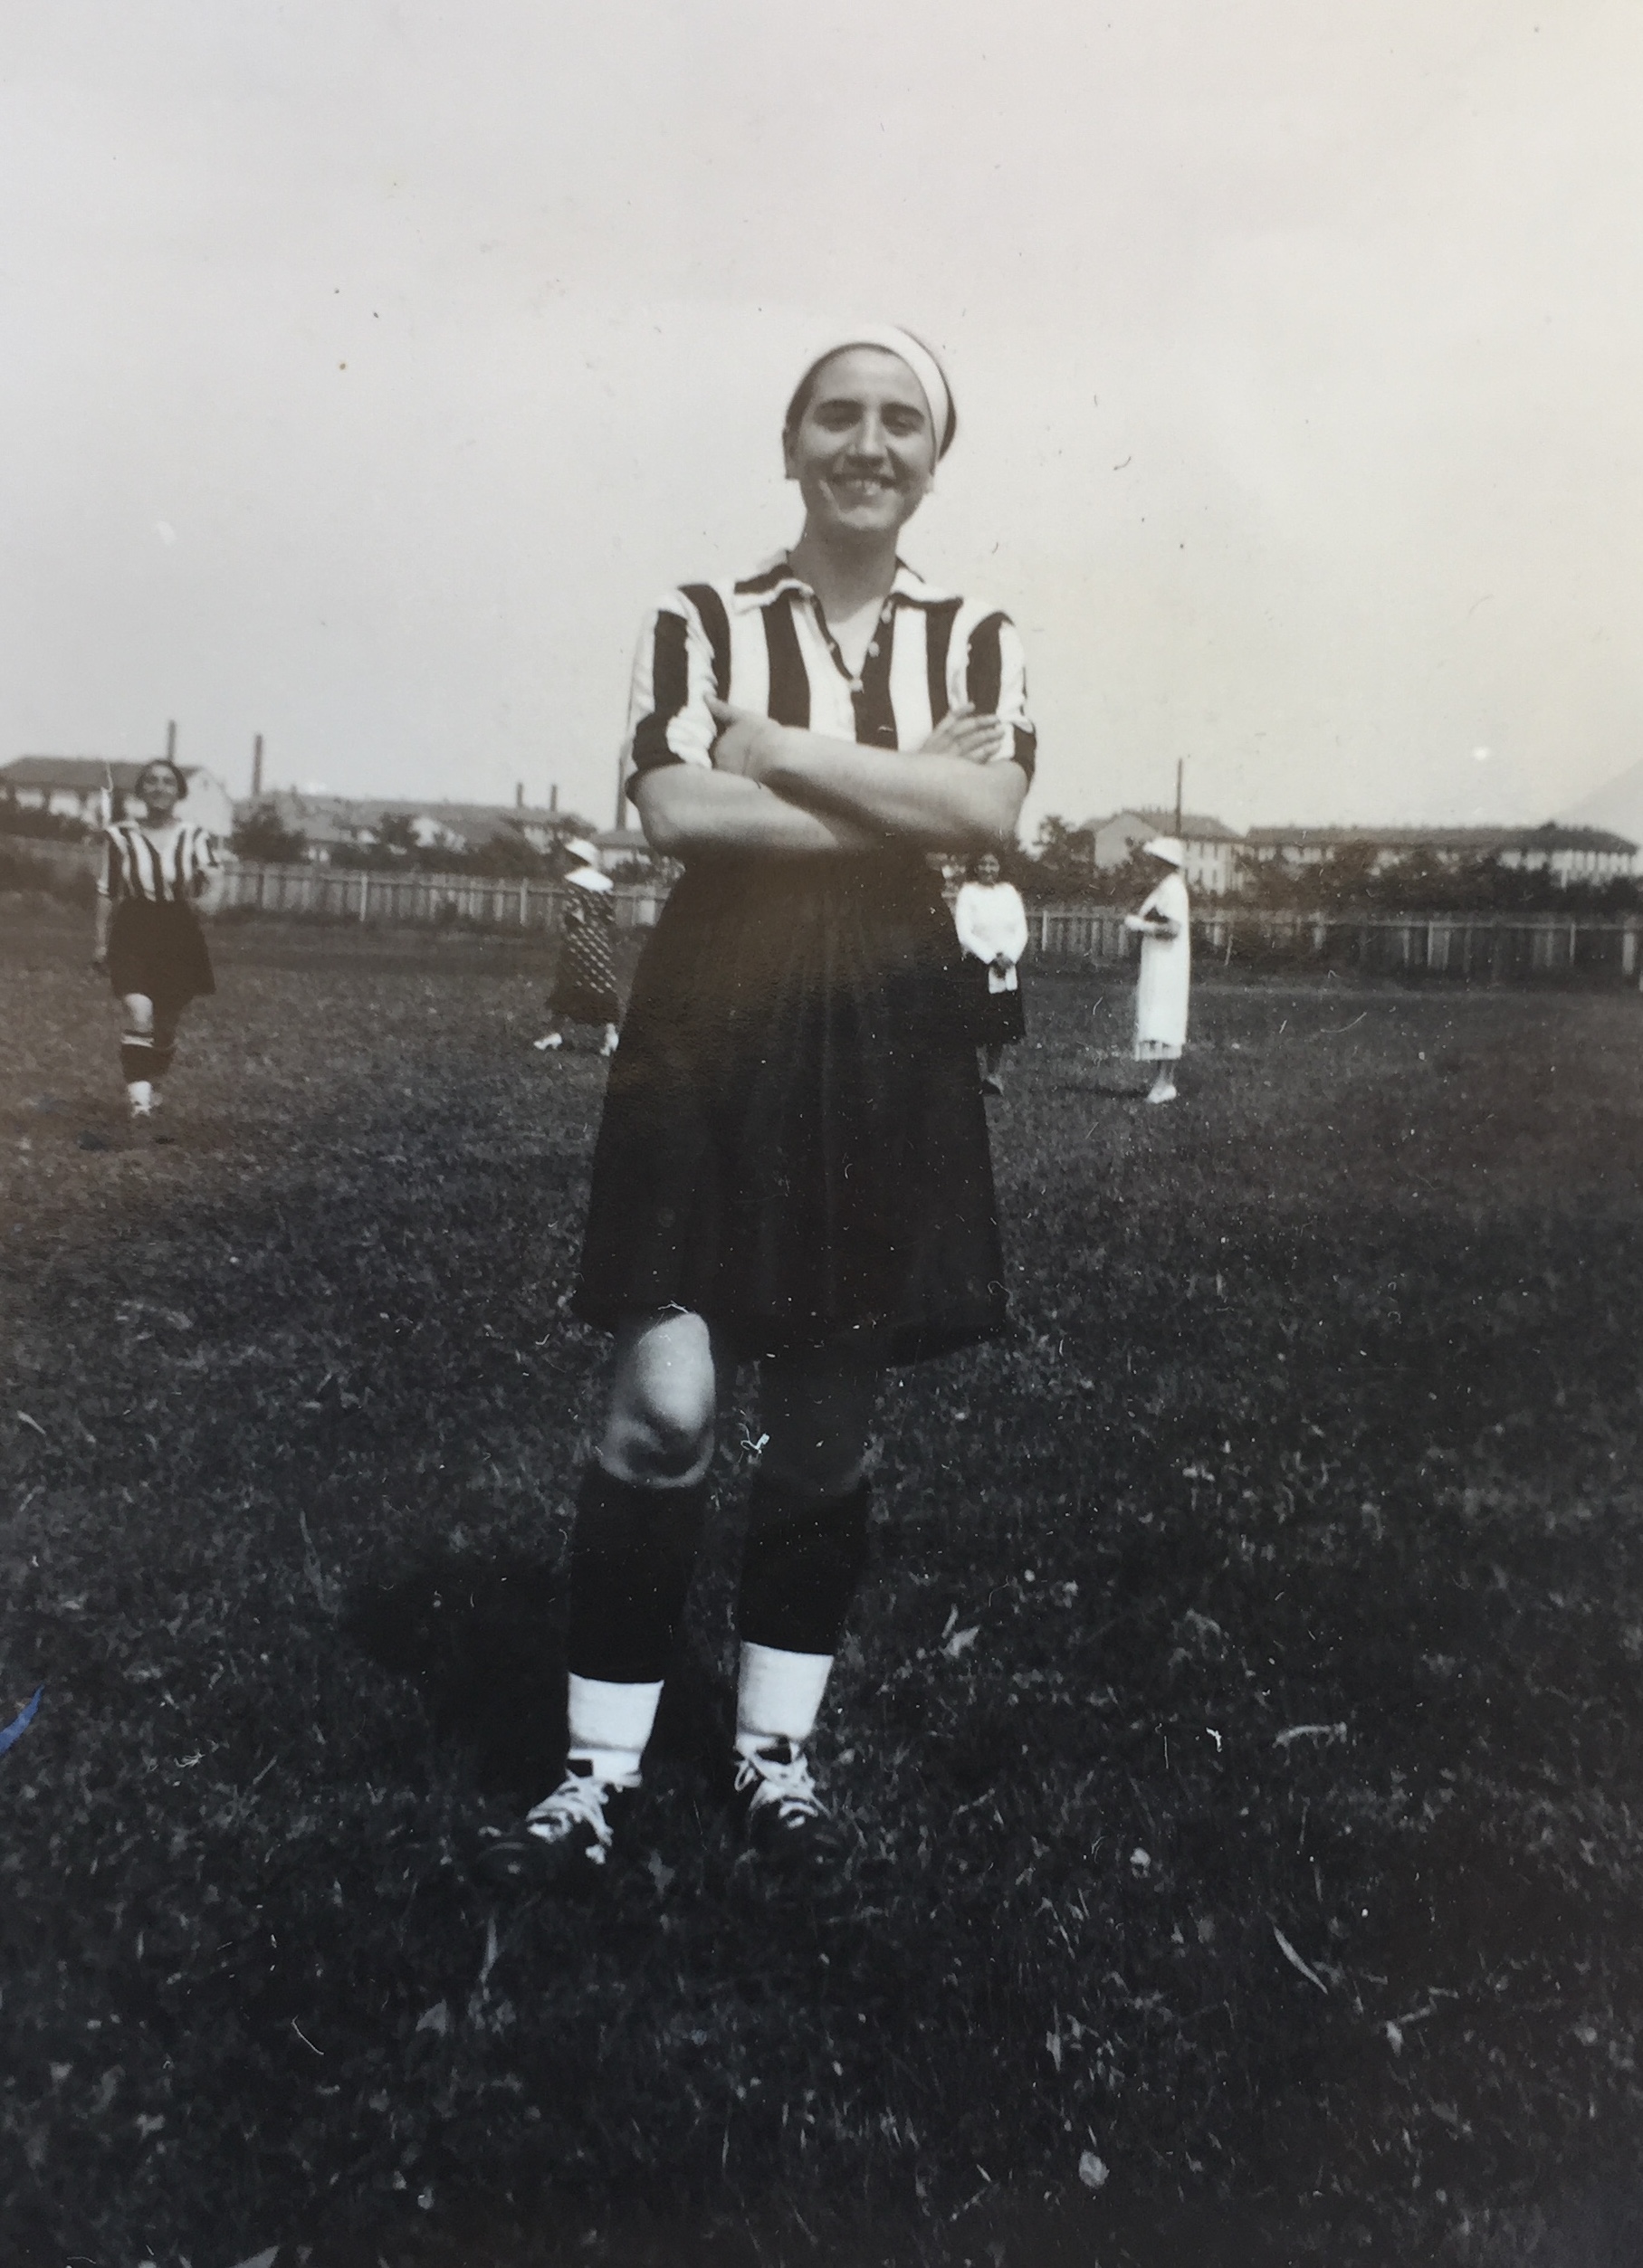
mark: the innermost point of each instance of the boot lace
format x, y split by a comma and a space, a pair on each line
579, 1801
781, 1777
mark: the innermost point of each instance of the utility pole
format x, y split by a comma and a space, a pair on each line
171, 741
1179, 766
256, 769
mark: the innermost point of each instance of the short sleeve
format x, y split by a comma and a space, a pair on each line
674, 671
992, 671
107, 869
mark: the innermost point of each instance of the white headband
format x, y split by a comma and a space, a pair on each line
919, 359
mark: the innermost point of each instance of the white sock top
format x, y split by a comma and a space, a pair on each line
778, 1695
610, 1724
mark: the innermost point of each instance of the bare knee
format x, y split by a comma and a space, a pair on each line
664, 1403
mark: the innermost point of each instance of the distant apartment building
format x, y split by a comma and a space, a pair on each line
1220, 861
73, 787
1569, 855
330, 825
1211, 846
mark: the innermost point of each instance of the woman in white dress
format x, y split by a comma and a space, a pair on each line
991, 923
1166, 968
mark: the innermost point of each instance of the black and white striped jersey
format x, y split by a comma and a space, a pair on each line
763, 644
135, 866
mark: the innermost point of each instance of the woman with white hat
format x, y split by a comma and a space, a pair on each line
585, 982
793, 1165
1166, 968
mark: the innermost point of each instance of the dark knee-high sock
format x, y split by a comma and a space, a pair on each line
801, 1566
162, 1057
137, 1068
631, 1552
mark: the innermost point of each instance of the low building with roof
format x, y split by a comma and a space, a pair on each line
74, 787
1567, 854
1211, 846
331, 826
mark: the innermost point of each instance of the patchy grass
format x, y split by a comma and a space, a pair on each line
1242, 1721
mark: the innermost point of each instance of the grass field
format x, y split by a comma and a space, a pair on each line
1242, 1721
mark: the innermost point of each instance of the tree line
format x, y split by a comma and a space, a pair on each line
1057, 868
1350, 878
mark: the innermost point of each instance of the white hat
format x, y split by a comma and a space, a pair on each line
1169, 847
580, 848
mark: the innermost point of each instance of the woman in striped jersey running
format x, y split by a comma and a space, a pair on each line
155, 873
793, 1165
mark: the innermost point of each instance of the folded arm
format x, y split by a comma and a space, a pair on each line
686, 807
936, 798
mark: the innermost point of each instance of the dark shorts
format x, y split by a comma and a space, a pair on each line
158, 951
794, 1145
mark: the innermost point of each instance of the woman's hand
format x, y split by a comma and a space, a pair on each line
1002, 963
962, 733
747, 742
100, 960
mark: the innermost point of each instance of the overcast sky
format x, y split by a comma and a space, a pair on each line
369, 365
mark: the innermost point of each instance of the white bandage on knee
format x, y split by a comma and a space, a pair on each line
610, 1724
779, 1694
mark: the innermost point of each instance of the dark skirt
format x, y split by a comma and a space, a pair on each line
160, 952
794, 1144
997, 1019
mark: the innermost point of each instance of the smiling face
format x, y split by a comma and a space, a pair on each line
986, 869
861, 450
161, 788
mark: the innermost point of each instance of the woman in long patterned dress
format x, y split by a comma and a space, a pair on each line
155, 871
584, 981
793, 1168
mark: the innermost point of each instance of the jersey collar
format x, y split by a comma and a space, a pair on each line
776, 575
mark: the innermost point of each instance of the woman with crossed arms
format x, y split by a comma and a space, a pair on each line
793, 1168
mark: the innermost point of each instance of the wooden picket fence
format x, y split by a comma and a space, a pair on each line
484, 901
1464, 947
1470, 947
